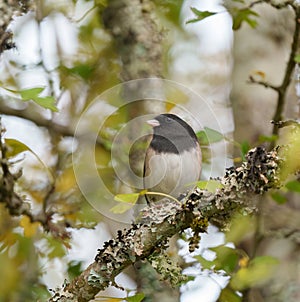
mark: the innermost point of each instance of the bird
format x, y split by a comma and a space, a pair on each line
173, 159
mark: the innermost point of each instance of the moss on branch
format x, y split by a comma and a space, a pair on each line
163, 220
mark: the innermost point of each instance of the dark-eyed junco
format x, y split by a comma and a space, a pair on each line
173, 158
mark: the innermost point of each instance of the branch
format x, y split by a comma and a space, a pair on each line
159, 222
138, 39
37, 119
288, 72
252, 80
15, 205
40, 121
282, 88
273, 3
282, 124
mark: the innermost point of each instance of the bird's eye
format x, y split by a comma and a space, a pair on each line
168, 120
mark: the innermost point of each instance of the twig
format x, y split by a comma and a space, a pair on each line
274, 4
36, 119
288, 74
282, 124
282, 4
255, 3
43, 122
252, 80
282, 88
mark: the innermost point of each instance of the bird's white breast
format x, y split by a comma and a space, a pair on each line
173, 174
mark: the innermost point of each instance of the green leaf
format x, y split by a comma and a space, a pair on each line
209, 185
228, 295
260, 269
206, 264
32, 93
297, 58
208, 136
201, 15
47, 102
127, 198
243, 15
83, 70
56, 248
74, 269
279, 198
121, 208
136, 298
227, 258
15, 147
240, 228
127, 201
40, 292
101, 3
245, 147
170, 8
293, 185
267, 138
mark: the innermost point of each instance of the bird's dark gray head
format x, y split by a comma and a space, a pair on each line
171, 134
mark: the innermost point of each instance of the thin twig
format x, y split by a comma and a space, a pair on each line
287, 75
282, 88
274, 4
40, 121
283, 4
255, 3
282, 124
252, 80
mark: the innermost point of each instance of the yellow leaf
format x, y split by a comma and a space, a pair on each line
176, 95
291, 165
10, 275
259, 270
30, 228
259, 73
169, 106
15, 147
66, 181
121, 208
38, 196
127, 201
143, 192
243, 262
127, 198
209, 185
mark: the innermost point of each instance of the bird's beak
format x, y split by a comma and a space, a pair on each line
153, 123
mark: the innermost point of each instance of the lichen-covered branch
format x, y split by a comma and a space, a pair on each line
161, 221
138, 39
